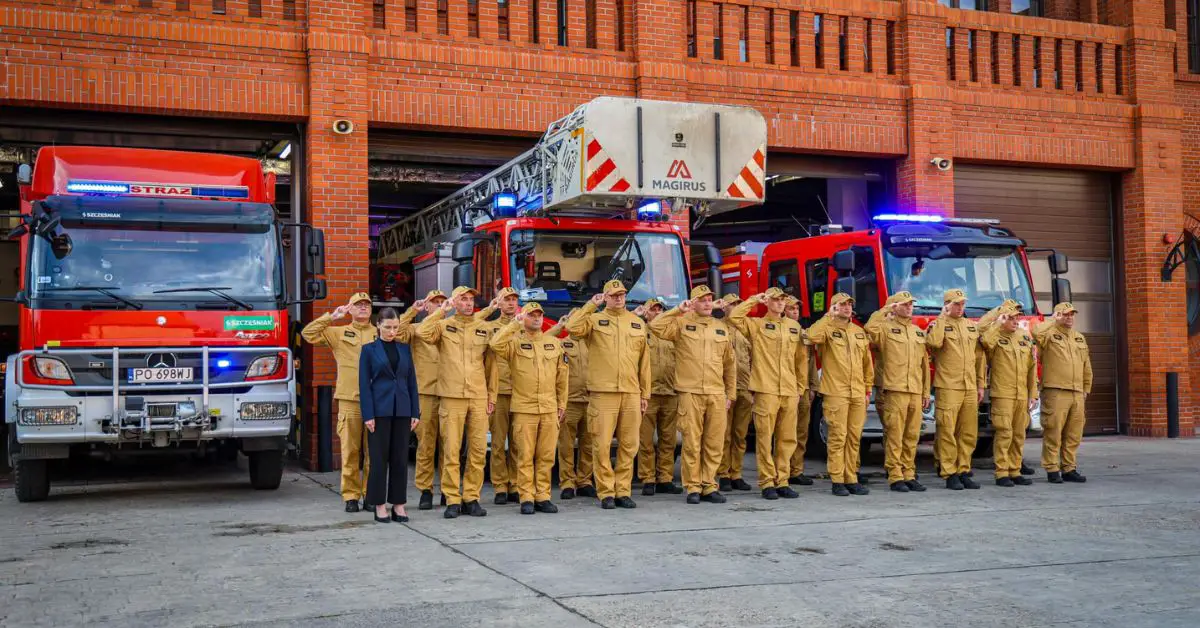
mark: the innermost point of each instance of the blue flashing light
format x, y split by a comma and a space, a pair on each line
223, 363
211, 192
650, 210
909, 218
97, 187
504, 204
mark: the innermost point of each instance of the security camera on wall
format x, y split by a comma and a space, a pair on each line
343, 127
941, 163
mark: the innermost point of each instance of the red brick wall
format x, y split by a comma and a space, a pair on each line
332, 60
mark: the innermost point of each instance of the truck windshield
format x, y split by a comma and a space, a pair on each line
989, 274
565, 266
137, 261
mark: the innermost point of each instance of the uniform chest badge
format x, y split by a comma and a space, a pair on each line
794, 331
969, 328
860, 336
837, 334
1078, 339
349, 334
690, 327
602, 322
548, 347
720, 332
636, 325
526, 346
480, 332
771, 326
451, 328
1004, 342
568, 345
895, 330
1058, 337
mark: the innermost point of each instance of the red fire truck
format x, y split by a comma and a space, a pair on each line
590, 203
152, 310
924, 254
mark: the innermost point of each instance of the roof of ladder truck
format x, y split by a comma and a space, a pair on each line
606, 159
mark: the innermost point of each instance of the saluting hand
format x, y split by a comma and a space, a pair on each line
686, 306
419, 304
597, 299
519, 316
495, 303
640, 310
447, 307
340, 312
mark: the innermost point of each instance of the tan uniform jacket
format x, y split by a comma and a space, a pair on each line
618, 359
847, 369
1011, 366
958, 359
347, 342
703, 352
425, 355
462, 342
662, 366
742, 352
577, 363
1066, 360
503, 378
903, 360
780, 357
538, 368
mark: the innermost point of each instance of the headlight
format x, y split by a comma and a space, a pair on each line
51, 368
66, 415
265, 411
263, 367
185, 409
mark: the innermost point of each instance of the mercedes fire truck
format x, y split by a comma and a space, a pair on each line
589, 203
152, 310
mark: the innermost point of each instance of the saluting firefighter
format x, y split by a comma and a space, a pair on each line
346, 341
1066, 384
1013, 391
574, 461
656, 460
903, 376
618, 388
504, 477
425, 361
729, 474
846, 375
462, 341
960, 375
538, 371
706, 382
778, 377
803, 406
985, 323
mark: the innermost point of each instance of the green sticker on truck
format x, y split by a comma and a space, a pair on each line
247, 323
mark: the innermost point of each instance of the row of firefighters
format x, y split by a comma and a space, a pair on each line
705, 368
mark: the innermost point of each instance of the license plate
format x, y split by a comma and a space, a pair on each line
160, 375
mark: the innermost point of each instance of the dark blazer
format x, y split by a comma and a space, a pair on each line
382, 391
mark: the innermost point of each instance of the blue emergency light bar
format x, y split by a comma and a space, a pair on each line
650, 210
909, 218
504, 204
176, 190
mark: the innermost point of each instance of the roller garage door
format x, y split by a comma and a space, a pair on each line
1070, 211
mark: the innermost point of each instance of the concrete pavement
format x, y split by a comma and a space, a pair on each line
202, 549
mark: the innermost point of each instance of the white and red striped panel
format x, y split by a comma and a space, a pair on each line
750, 182
602, 172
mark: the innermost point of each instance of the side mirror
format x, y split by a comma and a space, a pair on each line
1060, 290
315, 290
1058, 264
843, 262
463, 251
464, 273
712, 256
314, 253
714, 280
845, 284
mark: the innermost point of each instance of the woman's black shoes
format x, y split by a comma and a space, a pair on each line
398, 518
383, 519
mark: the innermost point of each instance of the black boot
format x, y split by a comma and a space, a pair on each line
1073, 476
442, 502
967, 482
900, 487
527, 508
426, 502
1021, 480
514, 497
954, 483
625, 502
863, 479
607, 503
740, 485
452, 512
786, 492
724, 484
714, 497
802, 480
770, 493
546, 507
915, 486
858, 489
567, 493
501, 499
1026, 469
669, 488
351, 505
1005, 482
586, 491
648, 488
693, 498
475, 510
1054, 477
840, 490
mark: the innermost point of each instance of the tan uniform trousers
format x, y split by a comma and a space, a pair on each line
775, 438
656, 460
536, 436
845, 417
1010, 419
352, 438
957, 414
1062, 428
702, 420
803, 421
574, 473
428, 436
614, 414
504, 474
736, 427
459, 418
901, 418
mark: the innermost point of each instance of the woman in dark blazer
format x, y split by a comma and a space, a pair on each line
390, 410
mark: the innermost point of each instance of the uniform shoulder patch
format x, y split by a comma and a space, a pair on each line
451, 328
526, 345
602, 322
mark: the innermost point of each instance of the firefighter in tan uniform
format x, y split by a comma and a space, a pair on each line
729, 474
462, 341
538, 370
656, 460
1012, 391
846, 376
504, 478
1066, 383
985, 322
960, 375
425, 361
803, 406
778, 378
903, 371
574, 473
346, 342
706, 382
618, 388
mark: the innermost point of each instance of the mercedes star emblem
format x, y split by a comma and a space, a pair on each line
161, 320
160, 360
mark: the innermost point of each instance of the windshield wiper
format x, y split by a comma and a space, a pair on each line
213, 290
101, 289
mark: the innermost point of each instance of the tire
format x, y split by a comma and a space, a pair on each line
266, 469
31, 479
983, 447
816, 439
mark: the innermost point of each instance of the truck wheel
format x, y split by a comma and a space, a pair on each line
817, 431
983, 447
266, 469
31, 478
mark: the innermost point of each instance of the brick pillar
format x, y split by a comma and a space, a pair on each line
659, 37
336, 169
1151, 207
920, 187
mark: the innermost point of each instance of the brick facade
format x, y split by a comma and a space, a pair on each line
892, 89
